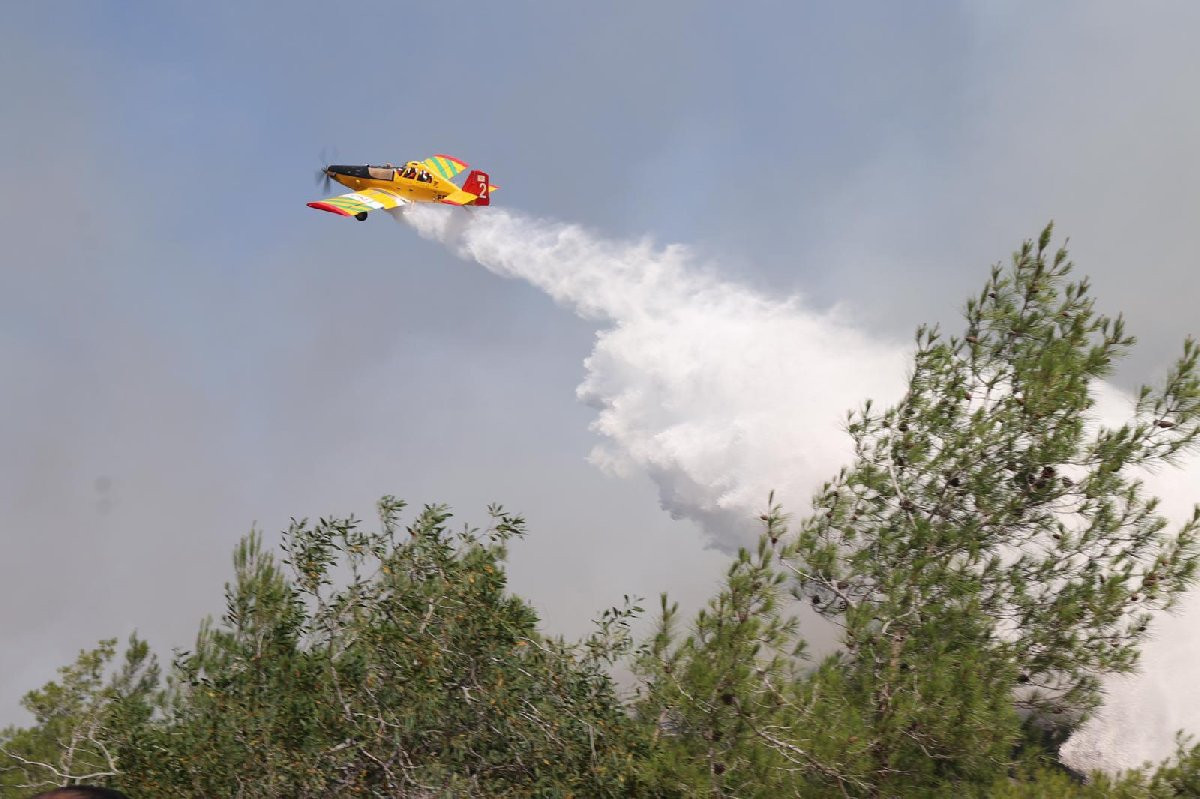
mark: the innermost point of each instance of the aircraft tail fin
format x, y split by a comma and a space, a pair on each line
477, 184
476, 190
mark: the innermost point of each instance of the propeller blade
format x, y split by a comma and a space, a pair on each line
322, 178
328, 155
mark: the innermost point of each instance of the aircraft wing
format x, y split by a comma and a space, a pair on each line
446, 166
357, 202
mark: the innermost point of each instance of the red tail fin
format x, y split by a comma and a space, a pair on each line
477, 184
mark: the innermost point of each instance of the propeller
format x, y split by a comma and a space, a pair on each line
322, 176
323, 179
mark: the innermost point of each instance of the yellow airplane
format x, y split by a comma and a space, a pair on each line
378, 188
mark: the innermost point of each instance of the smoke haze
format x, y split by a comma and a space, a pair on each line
185, 350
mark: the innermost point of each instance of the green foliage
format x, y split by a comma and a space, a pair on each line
383, 663
81, 719
735, 711
416, 672
710, 696
989, 521
988, 555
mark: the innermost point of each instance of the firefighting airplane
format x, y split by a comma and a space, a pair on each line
378, 188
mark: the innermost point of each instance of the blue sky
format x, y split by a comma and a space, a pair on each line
189, 350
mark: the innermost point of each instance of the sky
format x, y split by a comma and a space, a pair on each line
187, 351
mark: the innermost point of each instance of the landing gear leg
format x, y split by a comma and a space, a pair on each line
361, 216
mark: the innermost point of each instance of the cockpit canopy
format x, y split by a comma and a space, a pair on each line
413, 170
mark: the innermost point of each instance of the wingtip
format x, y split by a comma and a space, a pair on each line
333, 209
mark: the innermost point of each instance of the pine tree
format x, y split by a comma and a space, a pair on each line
988, 555
992, 546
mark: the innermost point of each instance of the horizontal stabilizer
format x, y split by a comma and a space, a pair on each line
459, 197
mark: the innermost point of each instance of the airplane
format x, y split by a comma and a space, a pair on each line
379, 188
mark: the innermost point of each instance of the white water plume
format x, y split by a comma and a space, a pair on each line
721, 395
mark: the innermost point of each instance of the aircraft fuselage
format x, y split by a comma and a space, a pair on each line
391, 179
